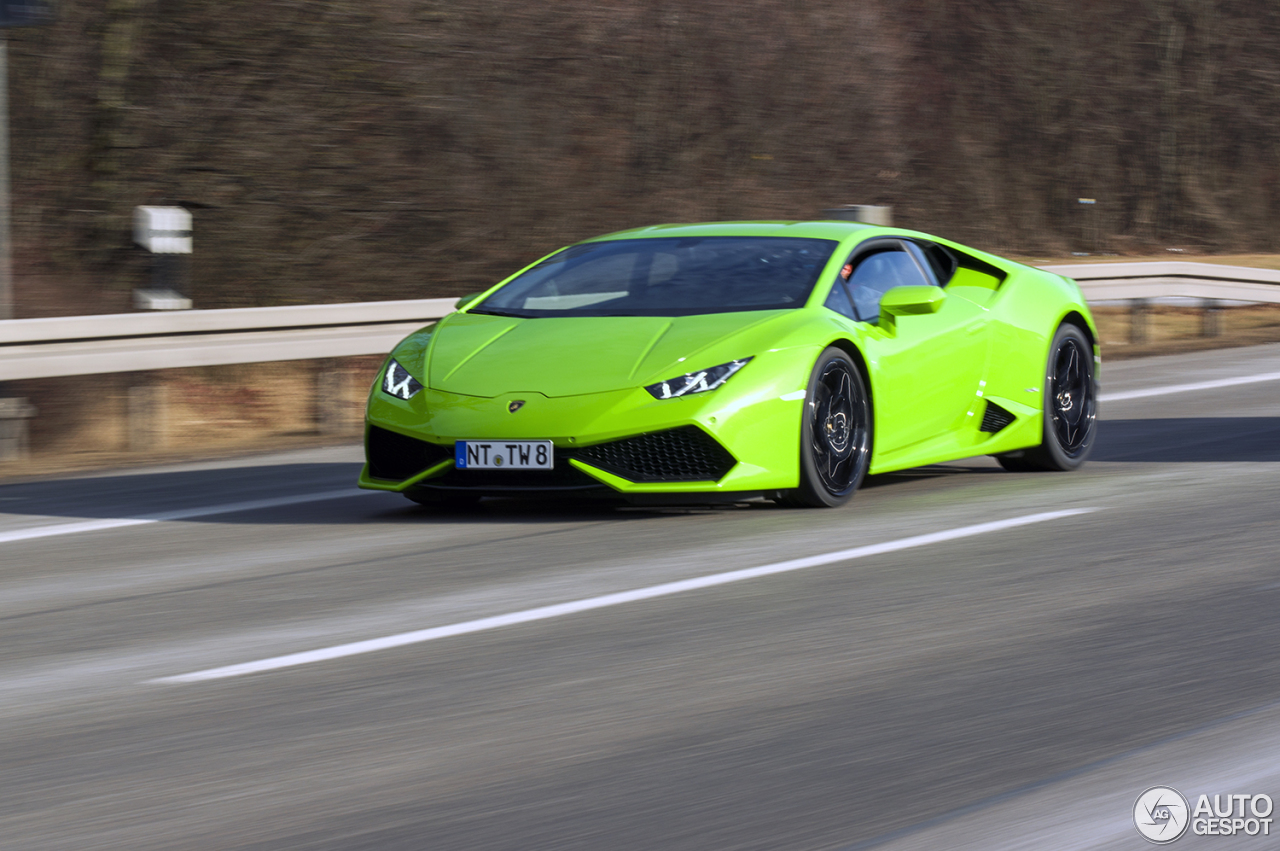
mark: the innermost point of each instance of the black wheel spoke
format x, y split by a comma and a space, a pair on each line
1070, 406
1073, 402
837, 427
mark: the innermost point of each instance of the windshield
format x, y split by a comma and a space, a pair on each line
679, 276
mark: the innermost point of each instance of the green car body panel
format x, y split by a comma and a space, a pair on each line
932, 362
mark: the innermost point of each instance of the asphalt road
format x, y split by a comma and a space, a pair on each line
911, 671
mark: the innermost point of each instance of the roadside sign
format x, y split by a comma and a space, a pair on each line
162, 230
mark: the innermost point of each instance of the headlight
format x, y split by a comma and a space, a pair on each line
696, 382
398, 382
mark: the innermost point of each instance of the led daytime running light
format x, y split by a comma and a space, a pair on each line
397, 381
696, 382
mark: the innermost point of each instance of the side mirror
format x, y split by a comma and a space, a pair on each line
912, 301
467, 299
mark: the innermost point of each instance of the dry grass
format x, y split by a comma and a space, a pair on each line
210, 412
1171, 330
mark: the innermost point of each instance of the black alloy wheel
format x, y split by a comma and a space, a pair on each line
835, 433
1070, 407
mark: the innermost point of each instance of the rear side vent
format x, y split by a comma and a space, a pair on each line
995, 418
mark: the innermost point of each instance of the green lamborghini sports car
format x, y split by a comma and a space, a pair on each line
728, 361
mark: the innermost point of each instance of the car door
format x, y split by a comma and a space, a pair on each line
926, 368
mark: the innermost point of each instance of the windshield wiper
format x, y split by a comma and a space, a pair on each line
493, 311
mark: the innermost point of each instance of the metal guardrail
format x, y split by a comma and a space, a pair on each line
133, 342
1173, 279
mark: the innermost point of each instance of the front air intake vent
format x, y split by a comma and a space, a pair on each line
685, 454
396, 457
995, 418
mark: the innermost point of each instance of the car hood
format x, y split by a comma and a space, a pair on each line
481, 355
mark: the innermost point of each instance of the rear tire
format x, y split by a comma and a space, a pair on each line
835, 434
1070, 407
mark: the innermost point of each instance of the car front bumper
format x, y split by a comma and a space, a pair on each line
741, 437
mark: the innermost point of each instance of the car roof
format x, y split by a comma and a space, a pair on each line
836, 230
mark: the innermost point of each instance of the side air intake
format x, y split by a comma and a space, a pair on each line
995, 418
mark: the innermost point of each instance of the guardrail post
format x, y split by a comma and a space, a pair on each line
1210, 318
14, 414
146, 412
1138, 309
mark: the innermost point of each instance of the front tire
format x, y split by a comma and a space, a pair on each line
1070, 407
835, 433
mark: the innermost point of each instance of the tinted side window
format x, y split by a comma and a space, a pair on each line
923, 262
942, 261
838, 301
878, 273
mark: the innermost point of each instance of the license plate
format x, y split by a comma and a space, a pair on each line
503, 455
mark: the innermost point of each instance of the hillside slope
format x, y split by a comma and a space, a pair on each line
335, 151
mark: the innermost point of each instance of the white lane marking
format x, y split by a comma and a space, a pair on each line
573, 607
184, 514
1188, 388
